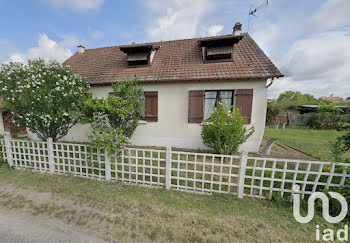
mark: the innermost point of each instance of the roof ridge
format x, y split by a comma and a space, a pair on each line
167, 41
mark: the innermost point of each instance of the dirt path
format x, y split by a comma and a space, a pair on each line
20, 227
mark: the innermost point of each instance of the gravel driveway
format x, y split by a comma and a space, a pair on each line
18, 227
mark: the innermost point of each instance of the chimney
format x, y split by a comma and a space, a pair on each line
237, 29
81, 49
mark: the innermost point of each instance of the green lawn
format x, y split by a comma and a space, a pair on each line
134, 213
314, 142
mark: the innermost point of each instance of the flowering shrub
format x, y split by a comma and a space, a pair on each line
270, 138
45, 97
121, 112
225, 130
104, 137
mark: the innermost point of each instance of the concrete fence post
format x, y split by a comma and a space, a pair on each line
50, 155
7, 138
168, 168
107, 167
241, 174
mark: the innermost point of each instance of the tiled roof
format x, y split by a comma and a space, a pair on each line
178, 60
332, 99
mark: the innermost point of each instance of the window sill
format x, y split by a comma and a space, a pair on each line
142, 122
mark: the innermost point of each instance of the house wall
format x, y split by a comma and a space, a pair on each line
172, 127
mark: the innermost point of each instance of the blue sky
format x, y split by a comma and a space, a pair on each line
294, 34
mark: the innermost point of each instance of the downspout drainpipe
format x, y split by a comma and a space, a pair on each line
270, 83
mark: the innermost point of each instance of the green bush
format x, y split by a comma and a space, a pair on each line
326, 120
323, 107
340, 146
334, 205
225, 130
273, 109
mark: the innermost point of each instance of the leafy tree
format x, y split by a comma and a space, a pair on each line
225, 130
292, 99
45, 97
295, 96
121, 112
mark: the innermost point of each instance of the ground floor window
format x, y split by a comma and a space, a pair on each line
212, 97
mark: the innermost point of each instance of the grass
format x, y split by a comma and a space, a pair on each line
314, 142
137, 213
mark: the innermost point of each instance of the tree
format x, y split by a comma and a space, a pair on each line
115, 118
292, 99
295, 96
225, 130
45, 97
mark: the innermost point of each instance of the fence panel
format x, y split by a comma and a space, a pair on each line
140, 166
30, 155
204, 173
79, 159
2, 148
267, 176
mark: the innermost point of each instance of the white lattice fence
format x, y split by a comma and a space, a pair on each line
140, 166
80, 160
2, 148
265, 176
204, 173
30, 155
195, 172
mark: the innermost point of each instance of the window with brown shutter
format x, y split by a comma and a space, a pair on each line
151, 106
195, 106
244, 102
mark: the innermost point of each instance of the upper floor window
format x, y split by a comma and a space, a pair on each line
218, 53
218, 49
139, 55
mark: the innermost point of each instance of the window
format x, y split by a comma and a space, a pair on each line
212, 97
138, 59
219, 53
139, 55
149, 111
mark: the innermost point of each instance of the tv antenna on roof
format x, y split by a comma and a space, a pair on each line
252, 10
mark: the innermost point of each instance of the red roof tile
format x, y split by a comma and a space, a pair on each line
178, 60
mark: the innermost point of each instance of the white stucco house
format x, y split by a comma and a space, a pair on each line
182, 80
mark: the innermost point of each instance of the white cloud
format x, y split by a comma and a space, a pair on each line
95, 34
176, 18
323, 55
5, 49
318, 65
312, 63
76, 5
215, 29
47, 49
334, 13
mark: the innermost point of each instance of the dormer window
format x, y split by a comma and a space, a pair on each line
139, 55
135, 59
218, 49
219, 53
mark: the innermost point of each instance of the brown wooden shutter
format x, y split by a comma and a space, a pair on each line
151, 106
244, 102
195, 106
